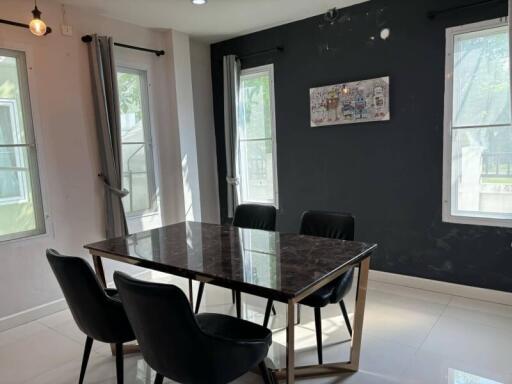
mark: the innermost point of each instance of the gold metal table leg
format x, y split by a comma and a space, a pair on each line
98, 267
357, 332
290, 373
290, 344
191, 293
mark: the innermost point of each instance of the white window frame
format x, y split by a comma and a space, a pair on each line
269, 68
148, 139
472, 218
40, 214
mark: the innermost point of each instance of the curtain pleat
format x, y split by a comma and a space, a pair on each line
108, 127
231, 67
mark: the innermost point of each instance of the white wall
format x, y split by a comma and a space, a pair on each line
60, 89
179, 44
205, 130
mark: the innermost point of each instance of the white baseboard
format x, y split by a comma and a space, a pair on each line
43, 310
493, 296
32, 314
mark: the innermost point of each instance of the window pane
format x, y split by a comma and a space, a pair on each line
11, 111
255, 114
257, 175
13, 165
130, 102
481, 78
138, 177
17, 208
482, 170
135, 177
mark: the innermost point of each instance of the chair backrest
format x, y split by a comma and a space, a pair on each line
168, 334
333, 225
89, 304
255, 216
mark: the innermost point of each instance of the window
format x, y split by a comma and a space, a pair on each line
137, 153
478, 135
21, 208
256, 137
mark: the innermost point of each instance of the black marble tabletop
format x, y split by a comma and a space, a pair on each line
271, 264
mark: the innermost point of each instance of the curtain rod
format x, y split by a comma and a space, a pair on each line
16, 24
434, 14
88, 39
257, 53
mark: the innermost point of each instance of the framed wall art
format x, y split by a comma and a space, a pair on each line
356, 102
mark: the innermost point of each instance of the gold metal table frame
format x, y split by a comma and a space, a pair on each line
291, 372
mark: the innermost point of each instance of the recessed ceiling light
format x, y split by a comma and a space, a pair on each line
199, 2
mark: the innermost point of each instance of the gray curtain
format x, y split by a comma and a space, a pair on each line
231, 66
108, 127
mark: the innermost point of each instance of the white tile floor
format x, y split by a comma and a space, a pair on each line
410, 336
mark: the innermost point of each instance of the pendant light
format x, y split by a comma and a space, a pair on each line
37, 26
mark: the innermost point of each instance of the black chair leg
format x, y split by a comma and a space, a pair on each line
269, 307
199, 296
119, 363
345, 316
159, 379
191, 293
318, 327
265, 374
85, 359
238, 304
233, 296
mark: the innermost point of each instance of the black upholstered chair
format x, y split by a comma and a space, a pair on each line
255, 216
251, 216
97, 311
188, 348
336, 226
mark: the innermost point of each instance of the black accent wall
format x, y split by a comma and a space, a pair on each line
388, 174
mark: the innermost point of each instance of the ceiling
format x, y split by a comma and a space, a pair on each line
217, 20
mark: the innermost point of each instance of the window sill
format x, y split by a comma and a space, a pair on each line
477, 220
25, 239
272, 204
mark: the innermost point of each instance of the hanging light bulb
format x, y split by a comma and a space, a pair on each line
37, 26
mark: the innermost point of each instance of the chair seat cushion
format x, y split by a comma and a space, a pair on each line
320, 298
331, 293
228, 327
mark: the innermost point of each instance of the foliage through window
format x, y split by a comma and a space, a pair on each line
136, 147
21, 209
256, 137
478, 135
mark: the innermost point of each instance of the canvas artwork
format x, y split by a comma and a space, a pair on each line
356, 102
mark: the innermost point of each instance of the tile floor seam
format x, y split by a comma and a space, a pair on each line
433, 325
418, 348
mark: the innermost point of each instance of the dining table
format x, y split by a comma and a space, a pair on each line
284, 267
